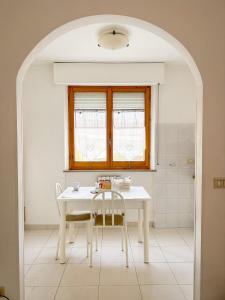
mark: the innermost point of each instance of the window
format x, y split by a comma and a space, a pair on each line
109, 127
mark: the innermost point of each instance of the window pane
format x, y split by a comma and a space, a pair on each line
128, 127
90, 127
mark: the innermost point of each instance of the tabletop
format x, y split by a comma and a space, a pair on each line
84, 193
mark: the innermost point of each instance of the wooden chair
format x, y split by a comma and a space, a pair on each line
72, 217
108, 210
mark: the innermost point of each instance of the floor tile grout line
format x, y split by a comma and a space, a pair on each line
169, 265
30, 291
107, 284
179, 262
183, 291
64, 270
182, 238
178, 284
100, 266
185, 239
65, 265
168, 261
44, 246
39, 252
48, 238
139, 285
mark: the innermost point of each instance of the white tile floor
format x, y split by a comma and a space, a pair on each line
168, 276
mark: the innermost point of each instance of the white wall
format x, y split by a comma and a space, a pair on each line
43, 107
177, 96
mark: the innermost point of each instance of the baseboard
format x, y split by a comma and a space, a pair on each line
136, 223
56, 226
40, 226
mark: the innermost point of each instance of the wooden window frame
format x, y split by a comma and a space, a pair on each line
109, 164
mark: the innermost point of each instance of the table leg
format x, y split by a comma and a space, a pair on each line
71, 232
140, 226
62, 232
146, 231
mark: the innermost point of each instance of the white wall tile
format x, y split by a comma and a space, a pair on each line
161, 205
185, 176
185, 220
162, 161
172, 220
186, 205
160, 176
171, 176
172, 147
172, 190
186, 190
160, 190
171, 131
172, 205
174, 183
160, 220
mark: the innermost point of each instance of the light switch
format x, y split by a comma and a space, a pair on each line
219, 183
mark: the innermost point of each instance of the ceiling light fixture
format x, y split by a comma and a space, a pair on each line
113, 39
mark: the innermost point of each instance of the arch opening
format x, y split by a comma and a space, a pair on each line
199, 108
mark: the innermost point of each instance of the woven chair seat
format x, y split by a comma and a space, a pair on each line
118, 220
78, 216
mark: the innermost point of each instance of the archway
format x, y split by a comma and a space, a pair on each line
199, 86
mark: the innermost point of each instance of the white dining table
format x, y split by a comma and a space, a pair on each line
135, 198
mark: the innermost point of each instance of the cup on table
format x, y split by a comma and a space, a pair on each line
76, 186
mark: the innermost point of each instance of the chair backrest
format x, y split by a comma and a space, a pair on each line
58, 191
108, 202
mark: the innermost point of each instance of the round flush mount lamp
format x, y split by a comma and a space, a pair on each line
113, 39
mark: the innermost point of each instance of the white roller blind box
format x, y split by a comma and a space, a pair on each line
109, 73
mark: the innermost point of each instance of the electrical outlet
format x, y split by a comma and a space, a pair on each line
190, 161
2, 291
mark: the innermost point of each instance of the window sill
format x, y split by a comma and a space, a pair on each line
112, 171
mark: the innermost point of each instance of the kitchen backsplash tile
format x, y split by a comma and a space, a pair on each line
173, 181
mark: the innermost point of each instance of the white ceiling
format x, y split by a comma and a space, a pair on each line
80, 45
